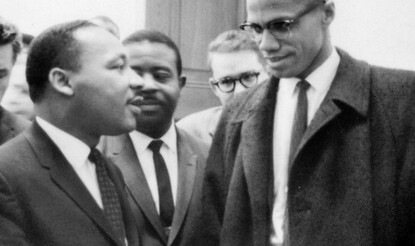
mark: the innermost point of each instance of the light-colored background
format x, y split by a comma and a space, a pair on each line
33, 16
379, 31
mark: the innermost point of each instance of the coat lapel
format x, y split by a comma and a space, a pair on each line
65, 177
187, 163
124, 155
256, 146
348, 91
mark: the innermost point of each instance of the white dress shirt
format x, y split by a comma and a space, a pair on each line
169, 152
76, 153
320, 81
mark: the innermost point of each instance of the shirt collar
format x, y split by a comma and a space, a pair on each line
75, 151
169, 139
320, 79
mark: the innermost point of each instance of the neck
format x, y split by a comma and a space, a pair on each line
319, 59
56, 118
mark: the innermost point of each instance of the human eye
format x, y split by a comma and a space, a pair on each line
256, 28
226, 81
121, 67
3, 73
248, 75
250, 78
281, 26
161, 75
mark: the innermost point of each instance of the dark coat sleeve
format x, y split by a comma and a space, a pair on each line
217, 176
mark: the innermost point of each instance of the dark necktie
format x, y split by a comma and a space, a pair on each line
163, 183
110, 200
300, 118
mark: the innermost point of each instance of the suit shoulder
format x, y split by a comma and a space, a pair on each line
197, 145
16, 156
15, 122
198, 116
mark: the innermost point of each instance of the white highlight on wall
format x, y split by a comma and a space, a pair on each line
33, 16
381, 32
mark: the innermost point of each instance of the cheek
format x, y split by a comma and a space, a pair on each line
224, 97
3, 85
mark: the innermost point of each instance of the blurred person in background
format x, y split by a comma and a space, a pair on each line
236, 64
10, 47
16, 98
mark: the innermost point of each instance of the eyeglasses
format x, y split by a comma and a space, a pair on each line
227, 84
280, 29
7, 33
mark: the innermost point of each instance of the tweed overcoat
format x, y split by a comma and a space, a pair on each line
352, 178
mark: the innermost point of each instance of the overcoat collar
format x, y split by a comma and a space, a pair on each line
348, 92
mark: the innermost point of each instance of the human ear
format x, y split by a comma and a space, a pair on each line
182, 81
59, 81
329, 12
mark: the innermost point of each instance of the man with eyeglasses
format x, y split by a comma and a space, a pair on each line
320, 154
10, 46
236, 64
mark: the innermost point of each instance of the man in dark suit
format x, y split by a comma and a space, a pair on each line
10, 46
165, 203
322, 153
55, 188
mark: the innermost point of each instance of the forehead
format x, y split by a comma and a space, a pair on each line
262, 11
6, 56
151, 54
235, 63
96, 42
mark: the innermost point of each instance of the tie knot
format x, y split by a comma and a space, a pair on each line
155, 145
95, 156
303, 85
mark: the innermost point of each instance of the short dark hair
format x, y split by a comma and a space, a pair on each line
154, 36
55, 47
9, 34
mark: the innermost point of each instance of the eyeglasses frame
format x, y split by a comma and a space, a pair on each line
289, 21
216, 82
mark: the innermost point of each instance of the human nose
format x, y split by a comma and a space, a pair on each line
149, 82
238, 87
136, 81
268, 41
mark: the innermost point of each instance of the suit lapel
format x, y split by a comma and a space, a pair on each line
187, 163
124, 155
65, 177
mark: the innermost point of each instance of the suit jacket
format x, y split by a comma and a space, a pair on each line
10, 125
202, 124
191, 162
351, 180
43, 201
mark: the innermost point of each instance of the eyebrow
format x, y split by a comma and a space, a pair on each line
121, 56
